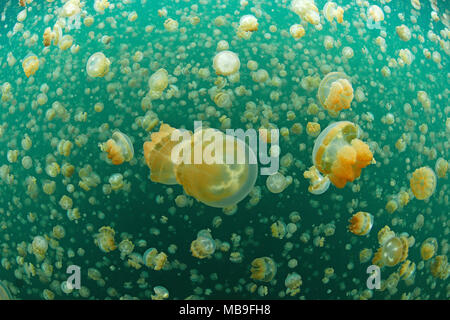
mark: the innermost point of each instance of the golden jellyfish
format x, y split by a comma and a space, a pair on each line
428, 249
403, 32
339, 154
30, 64
119, 148
407, 270
248, 23
154, 260
263, 269
159, 80
97, 65
226, 63
335, 92
276, 182
441, 167
423, 183
318, 184
307, 10
218, 170
332, 11
104, 239
5, 294
361, 223
204, 246
375, 13
101, 5
440, 267
297, 31
393, 249
39, 247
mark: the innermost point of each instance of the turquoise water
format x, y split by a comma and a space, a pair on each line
146, 212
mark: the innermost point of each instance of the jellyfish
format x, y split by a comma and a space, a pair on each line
339, 154
154, 260
217, 169
441, 167
297, 31
248, 23
276, 182
263, 269
335, 92
332, 11
104, 239
39, 247
318, 184
161, 293
423, 183
375, 13
307, 10
393, 249
226, 63
119, 148
440, 267
5, 294
204, 246
30, 64
428, 249
293, 282
159, 80
97, 65
407, 270
361, 223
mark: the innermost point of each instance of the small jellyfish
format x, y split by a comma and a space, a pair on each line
263, 269
297, 31
407, 270
248, 23
428, 249
318, 184
161, 293
97, 65
375, 13
159, 80
226, 63
276, 182
423, 183
30, 64
441, 167
335, 92
365, 255
104, 239
119, 148
440, 268
339, 154
154, 260
307, 10
361, 223
332, 11
39, 247
293, 282
204, 246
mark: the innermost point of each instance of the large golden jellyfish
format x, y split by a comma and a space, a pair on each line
30, 64
361, 223
218, 170
263, 269
428, 249
335, 92
119, 148
97, 65
339, 155
393, 249
423, 183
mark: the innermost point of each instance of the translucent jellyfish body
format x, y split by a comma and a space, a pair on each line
428, 249
104, 239
159, 80
393, 249
339, 154
97, 65
332, 11
204, 246
318, 184
263, 269
307, 10
39, 247
30, 64
335, 92
361, 223
297, 31
5, 294
441, 167
276, 183
119, 148
154, 259
226, 63
423, 183
440, 268
407, 270
248, 23
375, 13
216, 169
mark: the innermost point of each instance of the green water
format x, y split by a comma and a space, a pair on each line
136, 212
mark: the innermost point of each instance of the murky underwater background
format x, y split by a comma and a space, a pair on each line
147, 214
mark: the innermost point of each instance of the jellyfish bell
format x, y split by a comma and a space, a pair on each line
97, 65
119, 148
30, 64
318, 184
204, 246
263, 269
226, 63
428, 249
335, 92
394, 251
423, 183
339, 154
248, 23
218, 170
361, 223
